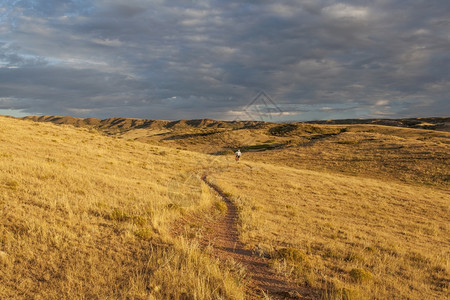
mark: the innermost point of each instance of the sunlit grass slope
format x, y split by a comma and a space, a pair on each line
348, 237
86, 216
414, 156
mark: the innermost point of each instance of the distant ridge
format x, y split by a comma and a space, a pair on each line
125, 124
114, 125
431, 123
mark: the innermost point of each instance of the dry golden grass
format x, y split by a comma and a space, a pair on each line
354, 211
407, 155
348, 237
414, 156
86, 216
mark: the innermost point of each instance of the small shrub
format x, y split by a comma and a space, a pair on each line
144, 233
80, 192
138, 220
12, 185
360, 275
221, 207
291, 254
119, 215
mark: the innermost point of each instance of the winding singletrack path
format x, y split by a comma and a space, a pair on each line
223, 236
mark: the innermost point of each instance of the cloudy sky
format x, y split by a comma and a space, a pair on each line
314, 59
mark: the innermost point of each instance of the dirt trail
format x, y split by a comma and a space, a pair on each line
224, 238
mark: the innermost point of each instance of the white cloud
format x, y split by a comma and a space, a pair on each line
382, 102
108, 42
341, 10
285, 10
223, 50
442, 86
197, 38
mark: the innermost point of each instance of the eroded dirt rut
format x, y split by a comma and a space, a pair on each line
223, 236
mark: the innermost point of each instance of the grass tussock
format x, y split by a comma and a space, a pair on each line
360, 275
291, 254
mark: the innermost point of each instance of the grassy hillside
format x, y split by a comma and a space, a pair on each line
86, 216
348, 237
355, 147
350, 211
413, 156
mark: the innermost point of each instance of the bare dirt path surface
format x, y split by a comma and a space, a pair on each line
223, 236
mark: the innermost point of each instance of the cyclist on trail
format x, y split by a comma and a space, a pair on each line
238, 155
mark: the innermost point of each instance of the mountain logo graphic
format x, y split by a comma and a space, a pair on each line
262, 107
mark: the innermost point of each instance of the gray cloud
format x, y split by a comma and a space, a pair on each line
192, 59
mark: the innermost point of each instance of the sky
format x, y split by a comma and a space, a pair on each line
292, 60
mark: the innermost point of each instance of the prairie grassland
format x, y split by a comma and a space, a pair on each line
414, 156
86, 216
349, 237
353, 211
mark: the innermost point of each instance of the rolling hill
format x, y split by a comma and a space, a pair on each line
400, 152
128, 208
86, 216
